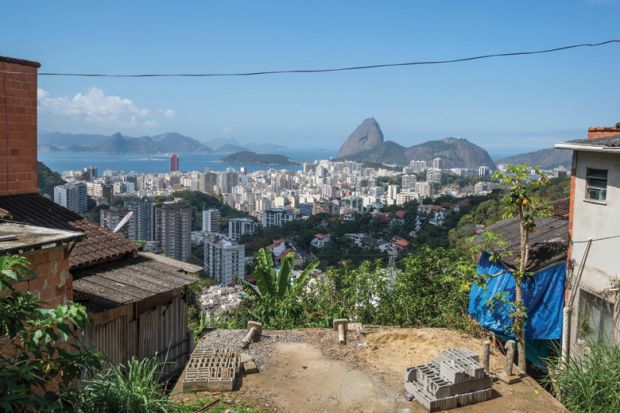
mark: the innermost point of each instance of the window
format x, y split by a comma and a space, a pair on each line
596, 184
595, 319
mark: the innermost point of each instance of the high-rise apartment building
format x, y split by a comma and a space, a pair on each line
407, 183
433, 175
173, 226
417, 166
208, 182
224, 259
141, 226
110, 218
424, 189
174, 162
484, 171
238, 227
276, 217
437, 163
72, 196
211, 220
90, 173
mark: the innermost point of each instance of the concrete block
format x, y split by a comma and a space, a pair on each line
453, 378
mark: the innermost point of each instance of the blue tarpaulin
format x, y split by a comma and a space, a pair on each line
543, 297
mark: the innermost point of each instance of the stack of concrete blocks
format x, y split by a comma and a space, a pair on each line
212, 370
454, 378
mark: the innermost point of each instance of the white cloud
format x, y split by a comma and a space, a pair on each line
95, 107
227, 130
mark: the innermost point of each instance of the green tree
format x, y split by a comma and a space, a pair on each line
274, 298
521, 200
42, 358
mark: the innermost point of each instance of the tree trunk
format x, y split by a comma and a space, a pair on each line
519, 320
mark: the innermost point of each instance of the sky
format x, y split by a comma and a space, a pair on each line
505, 105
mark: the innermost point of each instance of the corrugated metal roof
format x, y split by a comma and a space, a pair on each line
126, 281
99, 245
548, 243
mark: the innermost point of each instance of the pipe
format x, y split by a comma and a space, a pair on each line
566, 321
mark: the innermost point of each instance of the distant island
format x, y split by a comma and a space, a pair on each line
253, 158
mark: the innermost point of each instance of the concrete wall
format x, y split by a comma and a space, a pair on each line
596, 220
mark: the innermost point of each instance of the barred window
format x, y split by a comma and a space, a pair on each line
595, 319
596, 184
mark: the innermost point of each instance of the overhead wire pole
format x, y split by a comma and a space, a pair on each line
333, 69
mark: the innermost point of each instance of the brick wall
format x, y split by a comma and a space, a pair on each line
603, 131
51, 281
18, 126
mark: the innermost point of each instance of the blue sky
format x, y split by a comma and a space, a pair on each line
505, 105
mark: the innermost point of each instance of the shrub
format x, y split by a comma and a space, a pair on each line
135, 387
589, 384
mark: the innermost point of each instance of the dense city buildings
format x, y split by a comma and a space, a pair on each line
72, 196
224, 259
173, 226
238, 227
211, 220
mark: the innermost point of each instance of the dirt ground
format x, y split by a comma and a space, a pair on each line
315, 374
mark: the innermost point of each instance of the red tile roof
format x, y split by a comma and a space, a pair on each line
99, 245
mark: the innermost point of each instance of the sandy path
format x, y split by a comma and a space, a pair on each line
304, 380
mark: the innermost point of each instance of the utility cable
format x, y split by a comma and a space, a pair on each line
333, 69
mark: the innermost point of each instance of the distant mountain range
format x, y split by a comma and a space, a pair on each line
163, 143
119, 143
366, 144
253, 158
546, 158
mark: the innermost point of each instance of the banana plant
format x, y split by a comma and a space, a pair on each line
272, 283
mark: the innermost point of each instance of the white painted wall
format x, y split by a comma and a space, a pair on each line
596, 220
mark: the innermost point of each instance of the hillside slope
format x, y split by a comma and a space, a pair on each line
546, 158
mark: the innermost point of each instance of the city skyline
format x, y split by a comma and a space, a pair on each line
522, 103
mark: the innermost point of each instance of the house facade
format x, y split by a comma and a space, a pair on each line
594, 227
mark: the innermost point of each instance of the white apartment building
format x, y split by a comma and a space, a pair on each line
433, 175
276, 217
72, 196
211, 220
238, 227
407, 183
424, 189
224, 259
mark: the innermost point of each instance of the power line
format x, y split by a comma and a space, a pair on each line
595, 239
334, 69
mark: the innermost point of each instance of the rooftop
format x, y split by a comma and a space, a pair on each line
18, 238
99, 245
5, 59
126, 281
605, 144
548, 242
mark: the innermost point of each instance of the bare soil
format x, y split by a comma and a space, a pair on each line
307, 371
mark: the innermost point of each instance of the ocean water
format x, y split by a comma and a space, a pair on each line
149, 163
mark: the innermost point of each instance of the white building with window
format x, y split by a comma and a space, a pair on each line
72, 196
276, 217
211, 220
238, 227
595, 234
224, 259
